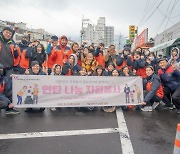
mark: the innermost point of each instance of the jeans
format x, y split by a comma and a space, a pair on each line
19, 99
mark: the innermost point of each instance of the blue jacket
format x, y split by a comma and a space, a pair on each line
170, 78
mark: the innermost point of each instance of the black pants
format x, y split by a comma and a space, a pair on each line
8, 71
176, 98
155, 98
4, 102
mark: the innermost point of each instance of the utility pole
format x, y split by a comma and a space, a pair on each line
84, 22
119, 43
82, 30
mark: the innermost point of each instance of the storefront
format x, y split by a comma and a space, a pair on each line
165, 48
166, 40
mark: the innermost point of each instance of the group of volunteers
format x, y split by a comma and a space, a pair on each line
161, 75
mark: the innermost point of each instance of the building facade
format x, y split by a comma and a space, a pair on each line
166, 40
21, 30
99, 33
109, 35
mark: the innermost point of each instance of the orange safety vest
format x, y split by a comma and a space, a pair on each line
24, 62
16, 60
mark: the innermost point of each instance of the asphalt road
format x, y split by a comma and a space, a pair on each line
150, 132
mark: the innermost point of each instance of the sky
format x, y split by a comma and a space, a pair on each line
65, 16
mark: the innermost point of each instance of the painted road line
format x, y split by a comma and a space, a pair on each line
124, 134
58, 133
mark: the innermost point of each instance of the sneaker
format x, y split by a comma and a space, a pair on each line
167, 107
28, 110
90, 108
147, 109
109, 108
124, 108
171, 107
12, 111
53, 109
137, 107
155, 105
178, 111
41, 109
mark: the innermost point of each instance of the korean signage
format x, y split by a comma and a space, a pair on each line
169, 34
141, 39
75, 91
132, 30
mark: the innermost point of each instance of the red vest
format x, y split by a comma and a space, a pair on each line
169, 70
159, 92
2, 86
100, 60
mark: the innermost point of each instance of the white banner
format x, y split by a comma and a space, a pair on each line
75, 91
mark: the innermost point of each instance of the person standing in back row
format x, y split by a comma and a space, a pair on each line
9, 51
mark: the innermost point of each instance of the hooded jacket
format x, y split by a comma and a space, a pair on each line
69, 69
171, 58
63, 48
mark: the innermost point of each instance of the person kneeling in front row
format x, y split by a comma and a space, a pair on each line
6, 93
153, 92
34, 70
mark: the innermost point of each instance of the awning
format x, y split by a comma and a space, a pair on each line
163, 45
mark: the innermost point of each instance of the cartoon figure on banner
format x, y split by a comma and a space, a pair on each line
20, 94
35, 94
131, 94
138, 92
28, 99
127, 91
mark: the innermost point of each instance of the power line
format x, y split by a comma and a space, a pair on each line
144, 12
148, 9
161, 23
175, 1
165, 16
70, 8
151, 13
51, 17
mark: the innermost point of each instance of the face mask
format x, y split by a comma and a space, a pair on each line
24, 42
1, 72
91, 50
151, 58
146, 53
